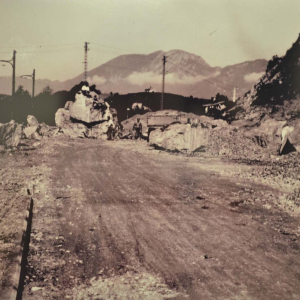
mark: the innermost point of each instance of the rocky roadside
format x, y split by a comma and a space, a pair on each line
18, 175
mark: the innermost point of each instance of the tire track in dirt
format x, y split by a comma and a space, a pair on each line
139, 212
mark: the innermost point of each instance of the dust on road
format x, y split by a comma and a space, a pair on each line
122, 221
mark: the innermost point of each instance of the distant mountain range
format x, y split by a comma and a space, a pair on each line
186, 74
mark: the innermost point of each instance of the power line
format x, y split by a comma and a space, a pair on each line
52, 51
27, 46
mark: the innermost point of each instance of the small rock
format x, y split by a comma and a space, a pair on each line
35, 289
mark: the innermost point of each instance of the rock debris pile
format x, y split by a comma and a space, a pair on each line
217, 137
11, 133
36, 131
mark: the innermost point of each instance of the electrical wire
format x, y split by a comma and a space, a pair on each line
26, 46
50, 51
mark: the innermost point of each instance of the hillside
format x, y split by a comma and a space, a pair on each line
278, 91
186, 74
123, 103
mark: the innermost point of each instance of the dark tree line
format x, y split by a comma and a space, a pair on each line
43, 106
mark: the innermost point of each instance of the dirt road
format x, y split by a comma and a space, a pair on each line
124, 215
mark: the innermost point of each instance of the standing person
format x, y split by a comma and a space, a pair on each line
110, 128
137, 127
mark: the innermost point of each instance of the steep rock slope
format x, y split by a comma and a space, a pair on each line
278, 90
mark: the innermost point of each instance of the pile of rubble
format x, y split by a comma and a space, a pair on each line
241, 139
36, 131
11, 133
89, 116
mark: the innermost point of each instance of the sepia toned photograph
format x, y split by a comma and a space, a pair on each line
150, 149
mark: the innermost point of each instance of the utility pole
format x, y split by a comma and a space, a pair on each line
234, 94
163, 84
13, 64
85, 60
14, 74
33, 81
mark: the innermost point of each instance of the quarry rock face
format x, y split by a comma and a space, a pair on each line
10, 134
86, 117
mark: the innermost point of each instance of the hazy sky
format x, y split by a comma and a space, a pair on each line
49, 35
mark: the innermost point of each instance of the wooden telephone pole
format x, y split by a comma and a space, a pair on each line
163, 84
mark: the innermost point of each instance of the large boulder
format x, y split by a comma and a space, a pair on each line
294, 136
32, 125
32, 121
10, 134
88, 116
99, 131
290, 137
34, 130
69, 128
44, 130
180, 137
271, 128
31, 133
89, 108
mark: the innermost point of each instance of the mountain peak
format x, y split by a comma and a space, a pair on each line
181, 56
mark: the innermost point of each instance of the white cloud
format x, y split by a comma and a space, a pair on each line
171, 78
97, 80
253, 77
144, 78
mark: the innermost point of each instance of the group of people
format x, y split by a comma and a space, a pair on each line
114, 131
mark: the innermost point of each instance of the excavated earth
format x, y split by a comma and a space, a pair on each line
121, 220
